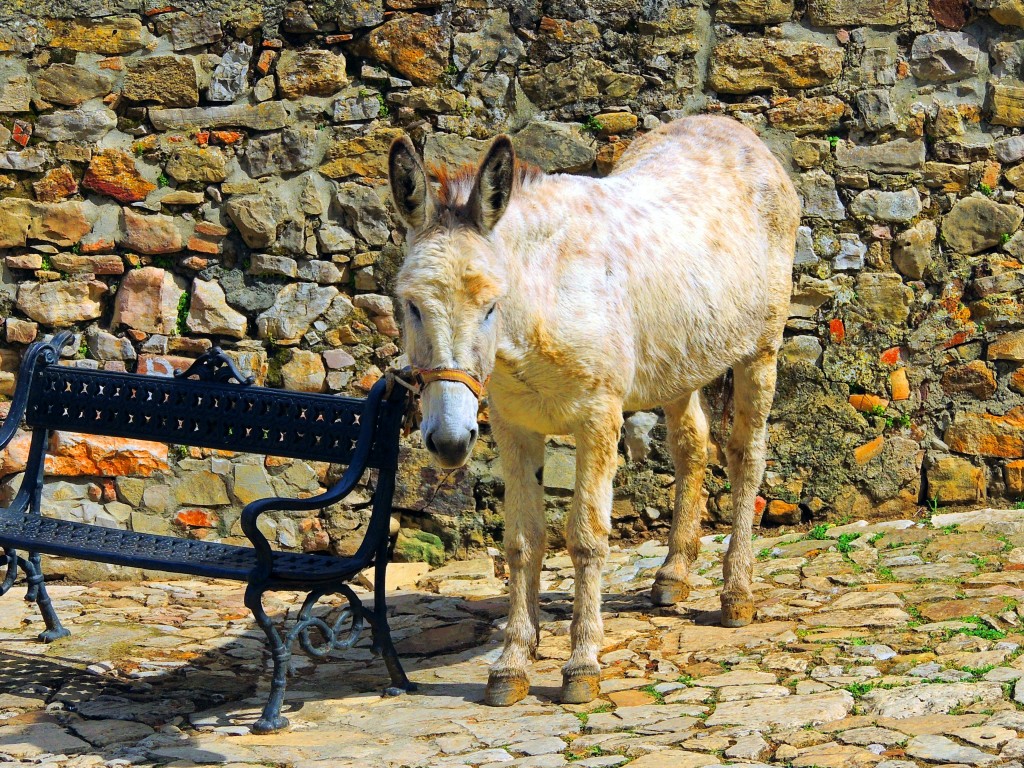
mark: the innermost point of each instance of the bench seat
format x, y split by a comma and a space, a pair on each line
163, 553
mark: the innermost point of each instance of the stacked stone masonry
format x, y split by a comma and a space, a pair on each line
178, 176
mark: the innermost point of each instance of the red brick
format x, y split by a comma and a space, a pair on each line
21, 132
869, 450
866, 403
899, 384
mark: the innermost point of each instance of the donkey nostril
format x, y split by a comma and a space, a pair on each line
428, 440
472, 434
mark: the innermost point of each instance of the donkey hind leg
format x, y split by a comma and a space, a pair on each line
687, 440
33, 567
587, 537
522, 455
745, 454
271, 720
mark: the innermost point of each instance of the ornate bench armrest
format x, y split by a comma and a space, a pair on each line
41, 353
341, 489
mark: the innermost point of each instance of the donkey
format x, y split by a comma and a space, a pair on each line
581, 298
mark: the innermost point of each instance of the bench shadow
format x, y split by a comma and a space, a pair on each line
227, 686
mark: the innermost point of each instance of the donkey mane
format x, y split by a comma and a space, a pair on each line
456, 183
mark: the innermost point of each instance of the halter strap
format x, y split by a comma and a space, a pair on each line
429, 375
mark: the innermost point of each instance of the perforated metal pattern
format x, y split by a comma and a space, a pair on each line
199, 558
207, 414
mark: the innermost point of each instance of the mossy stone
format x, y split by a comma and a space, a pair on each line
419, 547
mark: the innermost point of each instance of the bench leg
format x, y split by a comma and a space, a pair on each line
382, 643
36, 593
9, 559
271, 719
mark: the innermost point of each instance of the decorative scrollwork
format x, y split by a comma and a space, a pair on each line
214, 365
49, 353
333, 636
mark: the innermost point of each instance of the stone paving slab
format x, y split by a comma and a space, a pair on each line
849, 665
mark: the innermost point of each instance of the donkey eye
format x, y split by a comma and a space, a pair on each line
490, 312
415, 312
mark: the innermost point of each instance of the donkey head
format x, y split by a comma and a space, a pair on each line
450, 286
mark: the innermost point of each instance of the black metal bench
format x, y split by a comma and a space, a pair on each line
212, 405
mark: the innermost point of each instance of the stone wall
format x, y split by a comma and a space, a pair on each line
212, 172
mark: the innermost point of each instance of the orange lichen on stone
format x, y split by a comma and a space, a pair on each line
1017, 380
98, 246
985, 434
56, 185
1013, 474
783, 512
195, 518
413, 45
113, 173
891, 356
226, 137
74, 454
957, 339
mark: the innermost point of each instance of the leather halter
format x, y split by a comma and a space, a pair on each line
430, 375
416, 379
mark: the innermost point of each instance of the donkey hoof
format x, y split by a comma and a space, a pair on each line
270, 724
505, 691
737, 611
669, 592
580, 689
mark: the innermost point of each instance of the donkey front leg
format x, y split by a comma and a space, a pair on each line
522, 457
745, 452
587, 537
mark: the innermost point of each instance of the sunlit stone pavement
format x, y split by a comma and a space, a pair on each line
892, 644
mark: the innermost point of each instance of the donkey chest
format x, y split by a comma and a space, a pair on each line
539, 395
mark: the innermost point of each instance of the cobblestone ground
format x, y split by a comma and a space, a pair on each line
893, 645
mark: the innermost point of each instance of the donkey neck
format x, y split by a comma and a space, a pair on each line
548, 226
543, 225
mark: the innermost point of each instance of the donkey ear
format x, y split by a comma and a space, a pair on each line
493, 186
408, 183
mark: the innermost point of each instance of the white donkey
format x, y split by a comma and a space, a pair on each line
581, 298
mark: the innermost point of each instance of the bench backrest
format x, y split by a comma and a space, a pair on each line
210, 413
